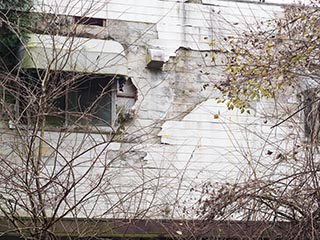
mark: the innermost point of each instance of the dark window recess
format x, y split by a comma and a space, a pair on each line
126, 88
312, 114
73, 99
92, 99
90, 21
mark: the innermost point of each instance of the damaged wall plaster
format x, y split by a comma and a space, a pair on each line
173, 143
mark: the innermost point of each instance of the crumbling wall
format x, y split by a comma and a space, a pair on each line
178, 137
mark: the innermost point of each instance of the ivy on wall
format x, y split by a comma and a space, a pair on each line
15, 20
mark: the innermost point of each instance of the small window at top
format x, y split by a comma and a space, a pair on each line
90, 21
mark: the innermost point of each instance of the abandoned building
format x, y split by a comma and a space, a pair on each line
117, 112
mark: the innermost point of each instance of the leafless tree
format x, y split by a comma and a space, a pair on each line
279, 61
59, 123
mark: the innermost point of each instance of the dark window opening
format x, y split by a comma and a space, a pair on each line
90, 21
92, 100
71, 98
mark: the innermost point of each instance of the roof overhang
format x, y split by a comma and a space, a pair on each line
75, 54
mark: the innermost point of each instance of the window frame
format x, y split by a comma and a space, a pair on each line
65, 124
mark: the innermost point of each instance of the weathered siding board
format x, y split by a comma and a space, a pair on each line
178, 23
223, 142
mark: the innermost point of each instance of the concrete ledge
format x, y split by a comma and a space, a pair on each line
152, 229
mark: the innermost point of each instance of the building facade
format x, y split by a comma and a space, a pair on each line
132, 127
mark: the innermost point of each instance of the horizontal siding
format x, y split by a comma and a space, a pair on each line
178, 24
181, 152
